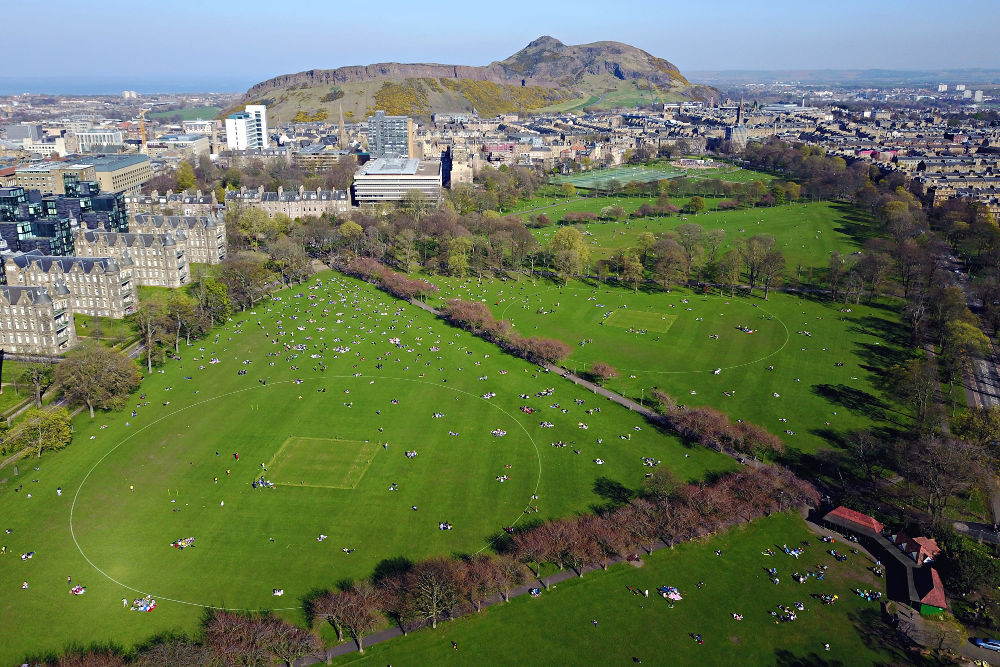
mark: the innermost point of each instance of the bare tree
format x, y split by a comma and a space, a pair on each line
432, 586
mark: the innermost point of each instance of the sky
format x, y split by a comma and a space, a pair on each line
208, 45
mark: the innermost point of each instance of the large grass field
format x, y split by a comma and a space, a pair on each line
331, 369
557, 628
191, 113
805, 233
794, 350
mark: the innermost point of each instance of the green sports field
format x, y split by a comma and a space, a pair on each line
793, 351
557, 628
625, 174
340, 382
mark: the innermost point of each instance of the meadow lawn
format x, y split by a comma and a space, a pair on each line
389, 368
824, 360
557, 627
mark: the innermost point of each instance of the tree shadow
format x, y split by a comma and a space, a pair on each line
309, 603
502, 542
785, 658
853, 399
612, 490
387, 568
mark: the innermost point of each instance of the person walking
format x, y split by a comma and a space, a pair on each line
125, 602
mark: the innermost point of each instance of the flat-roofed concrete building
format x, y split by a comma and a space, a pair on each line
100, 139
204, 235
99, 286
49, 177
158, 260
121, 173
180, 144
36, 321
389, 179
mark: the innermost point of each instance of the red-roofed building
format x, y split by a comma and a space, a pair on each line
931, 591
845, 517
921, 549
7, 177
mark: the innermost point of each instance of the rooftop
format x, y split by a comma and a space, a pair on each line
396, 166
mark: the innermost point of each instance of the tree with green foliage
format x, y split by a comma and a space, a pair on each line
38, 377
632, 270
97, 376
185, 176
148, 320
567, 190
40, 430
981, 426
569, 252
963, 342
695, 205
458, 255
351, 234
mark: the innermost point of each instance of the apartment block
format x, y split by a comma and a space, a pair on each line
204, 235
99, 286
36, 321
158, 260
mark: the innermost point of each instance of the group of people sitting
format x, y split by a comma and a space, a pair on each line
444, 525
412, 454
78, 590
261, 483
183, 544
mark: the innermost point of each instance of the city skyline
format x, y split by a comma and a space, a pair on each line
219, 50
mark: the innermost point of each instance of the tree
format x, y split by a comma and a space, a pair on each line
148, 320
943, 468
695, 205
567, 189
754, 250
181, 313
569, 252
980, 425
351, 233
916, 382
690, 237
39, 377
432, 587
185, 176
360, 614
289, 259
671, 265
728, 270
97, 377
632, 270
868, 451
39, 430
771, 269
246, 278
458, 255
962, 342
603, 372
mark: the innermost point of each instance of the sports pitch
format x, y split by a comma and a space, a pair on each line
640, 320
325, 463
601, 177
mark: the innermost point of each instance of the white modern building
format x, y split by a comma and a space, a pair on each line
247, 129
100, 139
390, 179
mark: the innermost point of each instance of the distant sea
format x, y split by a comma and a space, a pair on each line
68, 85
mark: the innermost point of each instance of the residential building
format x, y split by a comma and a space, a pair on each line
318, 157
36, 321
390, 136
194, 145
99, 286
390, 179
158, 260
204, 235
295, 203
174, 203
247, 129
198, 126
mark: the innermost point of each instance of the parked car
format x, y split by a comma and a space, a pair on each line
991, 644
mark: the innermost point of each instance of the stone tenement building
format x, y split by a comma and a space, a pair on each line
158, 260
97, 285
35, 321
174, 203
204, 236
295, 204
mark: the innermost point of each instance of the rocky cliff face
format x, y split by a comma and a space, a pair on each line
545, 62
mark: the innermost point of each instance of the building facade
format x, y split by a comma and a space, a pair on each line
34, 321
294, 203
99, 286
390, 136
390, 179
204, 235
121, 173
158, 260
247, 129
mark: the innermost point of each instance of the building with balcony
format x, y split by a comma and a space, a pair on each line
99, 286
247, 129
204, 235
158, 260
36, 321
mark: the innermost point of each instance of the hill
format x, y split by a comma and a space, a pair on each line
545, 74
